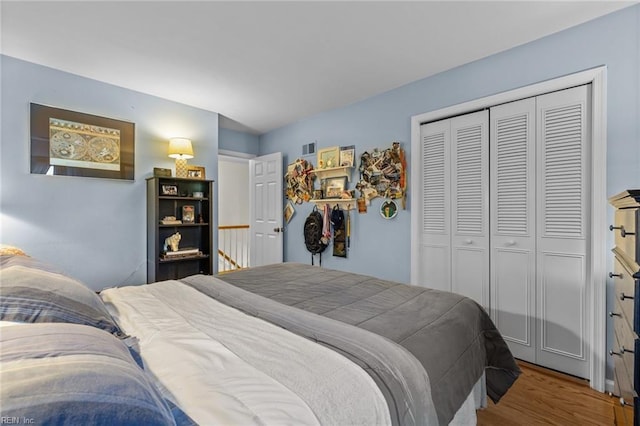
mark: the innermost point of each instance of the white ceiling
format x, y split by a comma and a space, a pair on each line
266, 64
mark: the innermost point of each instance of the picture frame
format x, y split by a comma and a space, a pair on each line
188, 214
347, 156
334, 187
195, 172
160, 172
71, 143
328, 157
169, 190
289, 211
388, 209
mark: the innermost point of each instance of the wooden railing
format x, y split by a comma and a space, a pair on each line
233, 247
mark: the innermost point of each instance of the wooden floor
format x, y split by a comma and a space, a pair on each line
545, 397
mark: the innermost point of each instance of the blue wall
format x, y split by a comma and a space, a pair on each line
382, 248
94, 229
233, 140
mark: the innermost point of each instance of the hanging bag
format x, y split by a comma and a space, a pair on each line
313, 234
339, 239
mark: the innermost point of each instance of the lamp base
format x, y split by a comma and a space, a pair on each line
181, 167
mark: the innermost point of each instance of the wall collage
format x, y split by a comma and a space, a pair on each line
382, 173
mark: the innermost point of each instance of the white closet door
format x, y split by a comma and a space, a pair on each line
563, 192
513, 234
435, 246
470, 206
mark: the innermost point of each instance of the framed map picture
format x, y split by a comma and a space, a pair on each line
72, 143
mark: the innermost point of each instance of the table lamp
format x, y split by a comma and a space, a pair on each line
181, 150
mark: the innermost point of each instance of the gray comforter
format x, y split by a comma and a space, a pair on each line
449, 335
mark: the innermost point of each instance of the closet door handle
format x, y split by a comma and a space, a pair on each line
611, 275
511, 243
612, 353
468, 241
615, 314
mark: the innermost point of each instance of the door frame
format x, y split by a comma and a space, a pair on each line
596, 282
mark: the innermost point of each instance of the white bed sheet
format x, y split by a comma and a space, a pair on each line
224, 367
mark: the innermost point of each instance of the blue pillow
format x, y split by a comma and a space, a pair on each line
74, 374
32, 291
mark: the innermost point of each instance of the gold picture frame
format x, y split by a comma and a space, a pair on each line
329, 157
195, 172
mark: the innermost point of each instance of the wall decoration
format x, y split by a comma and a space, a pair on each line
347, 155
334, 187
289, 211
388, 209
195, 172
299, 180
362, 205
328, 157
383, 174
77, 144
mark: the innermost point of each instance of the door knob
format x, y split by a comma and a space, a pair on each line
511, 243
278, 229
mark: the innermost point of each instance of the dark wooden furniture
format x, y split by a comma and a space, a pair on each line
626, 314
166, 196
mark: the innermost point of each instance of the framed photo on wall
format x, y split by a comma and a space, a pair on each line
73, 143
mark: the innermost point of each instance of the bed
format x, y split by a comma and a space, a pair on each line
281, 344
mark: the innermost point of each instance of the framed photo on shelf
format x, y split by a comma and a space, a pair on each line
169, 190
71, 143
328, 157
333, 187
347, 155
195, 172
188, 214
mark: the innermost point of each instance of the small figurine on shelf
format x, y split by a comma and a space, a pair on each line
172, 242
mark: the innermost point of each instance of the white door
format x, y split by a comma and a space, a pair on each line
266, 209
540, 191
454, 250
513, 233
563, 196
435, 244
470, 206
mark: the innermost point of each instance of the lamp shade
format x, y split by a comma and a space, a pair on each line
180, 148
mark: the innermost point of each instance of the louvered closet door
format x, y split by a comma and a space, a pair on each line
563, 191
470, 206
435, 246
513, 233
